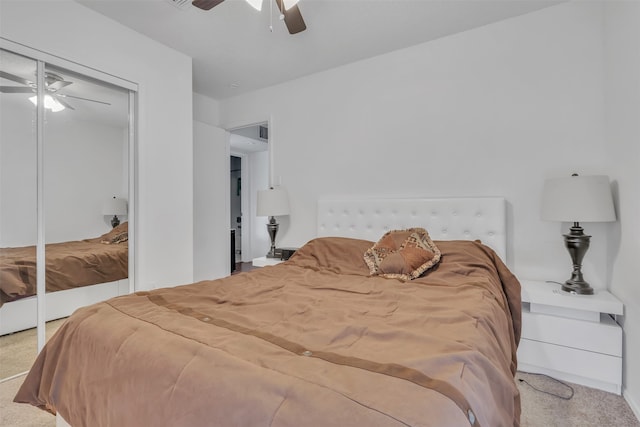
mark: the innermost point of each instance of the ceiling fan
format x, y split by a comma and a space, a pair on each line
289, 10
54, 100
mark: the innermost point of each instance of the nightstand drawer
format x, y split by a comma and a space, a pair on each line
595, 366
604, 337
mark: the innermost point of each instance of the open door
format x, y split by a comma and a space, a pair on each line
211, 232
249, 169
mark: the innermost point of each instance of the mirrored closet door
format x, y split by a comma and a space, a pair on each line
18, 211
66, 200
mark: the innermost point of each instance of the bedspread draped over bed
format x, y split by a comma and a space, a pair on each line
314, 341
68, 265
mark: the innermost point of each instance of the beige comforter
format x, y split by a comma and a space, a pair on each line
313, 341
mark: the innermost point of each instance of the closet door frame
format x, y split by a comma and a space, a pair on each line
42, 59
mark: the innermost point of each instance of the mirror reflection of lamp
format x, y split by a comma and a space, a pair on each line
272, 202
115, 207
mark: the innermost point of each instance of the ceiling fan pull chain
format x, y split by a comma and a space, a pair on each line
271, 15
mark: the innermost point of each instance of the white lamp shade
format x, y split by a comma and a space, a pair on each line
115, 206
288, 4
578, 199
272, 202
256, 4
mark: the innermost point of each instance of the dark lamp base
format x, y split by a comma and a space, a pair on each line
581, 288
577, 244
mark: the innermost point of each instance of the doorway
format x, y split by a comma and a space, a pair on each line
249, 172
235, 204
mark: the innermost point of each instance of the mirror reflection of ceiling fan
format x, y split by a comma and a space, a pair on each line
53, 100
289, 10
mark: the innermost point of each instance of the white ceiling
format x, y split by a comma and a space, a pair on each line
234, 51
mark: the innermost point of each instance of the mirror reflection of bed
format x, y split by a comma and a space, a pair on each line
85, 154
77, 273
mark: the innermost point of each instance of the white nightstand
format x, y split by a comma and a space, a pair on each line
571, 337
263, 261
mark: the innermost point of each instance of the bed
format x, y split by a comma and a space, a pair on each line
77, 273
315, 341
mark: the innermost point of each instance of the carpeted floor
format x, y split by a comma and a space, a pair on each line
587, 408
14, 414
19, 350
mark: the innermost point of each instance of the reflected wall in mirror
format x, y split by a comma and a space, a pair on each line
85, 187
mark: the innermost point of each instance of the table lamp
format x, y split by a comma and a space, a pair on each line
577, 199
115, 207
272, 202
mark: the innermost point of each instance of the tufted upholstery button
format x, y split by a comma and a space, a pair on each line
491, 233
444, 231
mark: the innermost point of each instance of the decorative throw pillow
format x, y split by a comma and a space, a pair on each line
402, 254
120, 238
119, 234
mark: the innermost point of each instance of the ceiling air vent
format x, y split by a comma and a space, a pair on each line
263, 132
180, 4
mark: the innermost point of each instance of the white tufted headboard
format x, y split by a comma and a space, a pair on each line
467, 218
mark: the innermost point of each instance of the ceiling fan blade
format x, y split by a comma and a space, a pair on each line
206, 4
292, 18
65, 103
15, 89
60, 95
56, 86
15, 78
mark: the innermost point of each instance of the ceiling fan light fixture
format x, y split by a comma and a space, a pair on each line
256, 4
288, 4
50, 103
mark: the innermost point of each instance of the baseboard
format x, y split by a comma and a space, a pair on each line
633, 403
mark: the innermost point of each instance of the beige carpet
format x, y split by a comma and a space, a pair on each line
19, 350
587, 408
14, 415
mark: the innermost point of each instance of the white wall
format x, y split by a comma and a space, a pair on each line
205, 109
83, 168
622, 84
260, 240
18, 156
211, 249
165, 154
